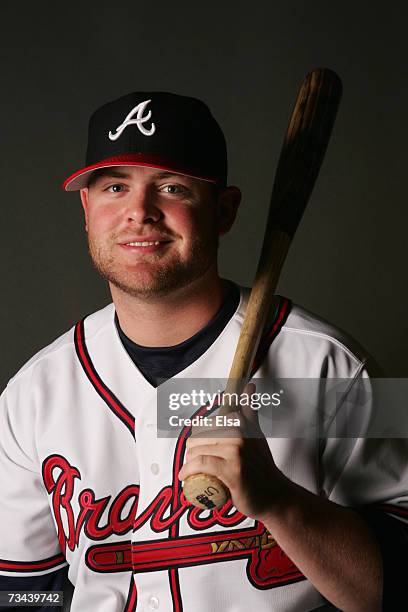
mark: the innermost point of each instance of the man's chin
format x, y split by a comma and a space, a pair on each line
149, 286
152, 281
144, 281
142, 290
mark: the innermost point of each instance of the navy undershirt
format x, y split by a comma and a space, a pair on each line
160, 363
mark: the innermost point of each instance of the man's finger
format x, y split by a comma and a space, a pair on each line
203, 463
230, 452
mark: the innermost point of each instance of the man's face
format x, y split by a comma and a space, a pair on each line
150, 231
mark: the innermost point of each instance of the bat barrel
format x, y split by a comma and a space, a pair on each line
303, 149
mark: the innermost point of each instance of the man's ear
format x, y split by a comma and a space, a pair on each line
84, 193
228, 202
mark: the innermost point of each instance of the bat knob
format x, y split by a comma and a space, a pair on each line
205, 492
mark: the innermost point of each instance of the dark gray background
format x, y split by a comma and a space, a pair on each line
246, 60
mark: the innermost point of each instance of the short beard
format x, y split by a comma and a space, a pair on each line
166, 279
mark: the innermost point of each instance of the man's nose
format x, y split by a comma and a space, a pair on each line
142, 207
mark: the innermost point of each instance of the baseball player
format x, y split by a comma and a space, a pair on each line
89, 490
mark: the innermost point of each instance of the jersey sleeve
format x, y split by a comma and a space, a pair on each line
29, 545
370, 475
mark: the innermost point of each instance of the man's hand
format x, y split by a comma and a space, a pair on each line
240, 457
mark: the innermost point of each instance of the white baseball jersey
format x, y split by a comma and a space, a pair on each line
85, 480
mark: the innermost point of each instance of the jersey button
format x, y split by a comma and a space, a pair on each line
153, 603
155, 468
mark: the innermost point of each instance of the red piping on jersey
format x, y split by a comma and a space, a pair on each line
131, 601
106, 394
268, 338
31, 566
393, 509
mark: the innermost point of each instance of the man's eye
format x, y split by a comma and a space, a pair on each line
116, 188
173, 189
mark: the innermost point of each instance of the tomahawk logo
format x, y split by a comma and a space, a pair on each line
140, 119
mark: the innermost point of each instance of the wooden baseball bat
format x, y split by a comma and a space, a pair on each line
300, 160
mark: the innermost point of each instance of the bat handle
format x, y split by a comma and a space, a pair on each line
205, 491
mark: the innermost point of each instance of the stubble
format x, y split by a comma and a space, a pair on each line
153, 274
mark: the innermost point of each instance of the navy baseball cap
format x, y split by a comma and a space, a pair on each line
158, 130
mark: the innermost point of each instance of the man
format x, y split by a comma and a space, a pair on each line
85, 480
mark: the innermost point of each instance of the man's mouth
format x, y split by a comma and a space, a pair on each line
143, 244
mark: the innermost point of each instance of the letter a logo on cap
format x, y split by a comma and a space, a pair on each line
139, 121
